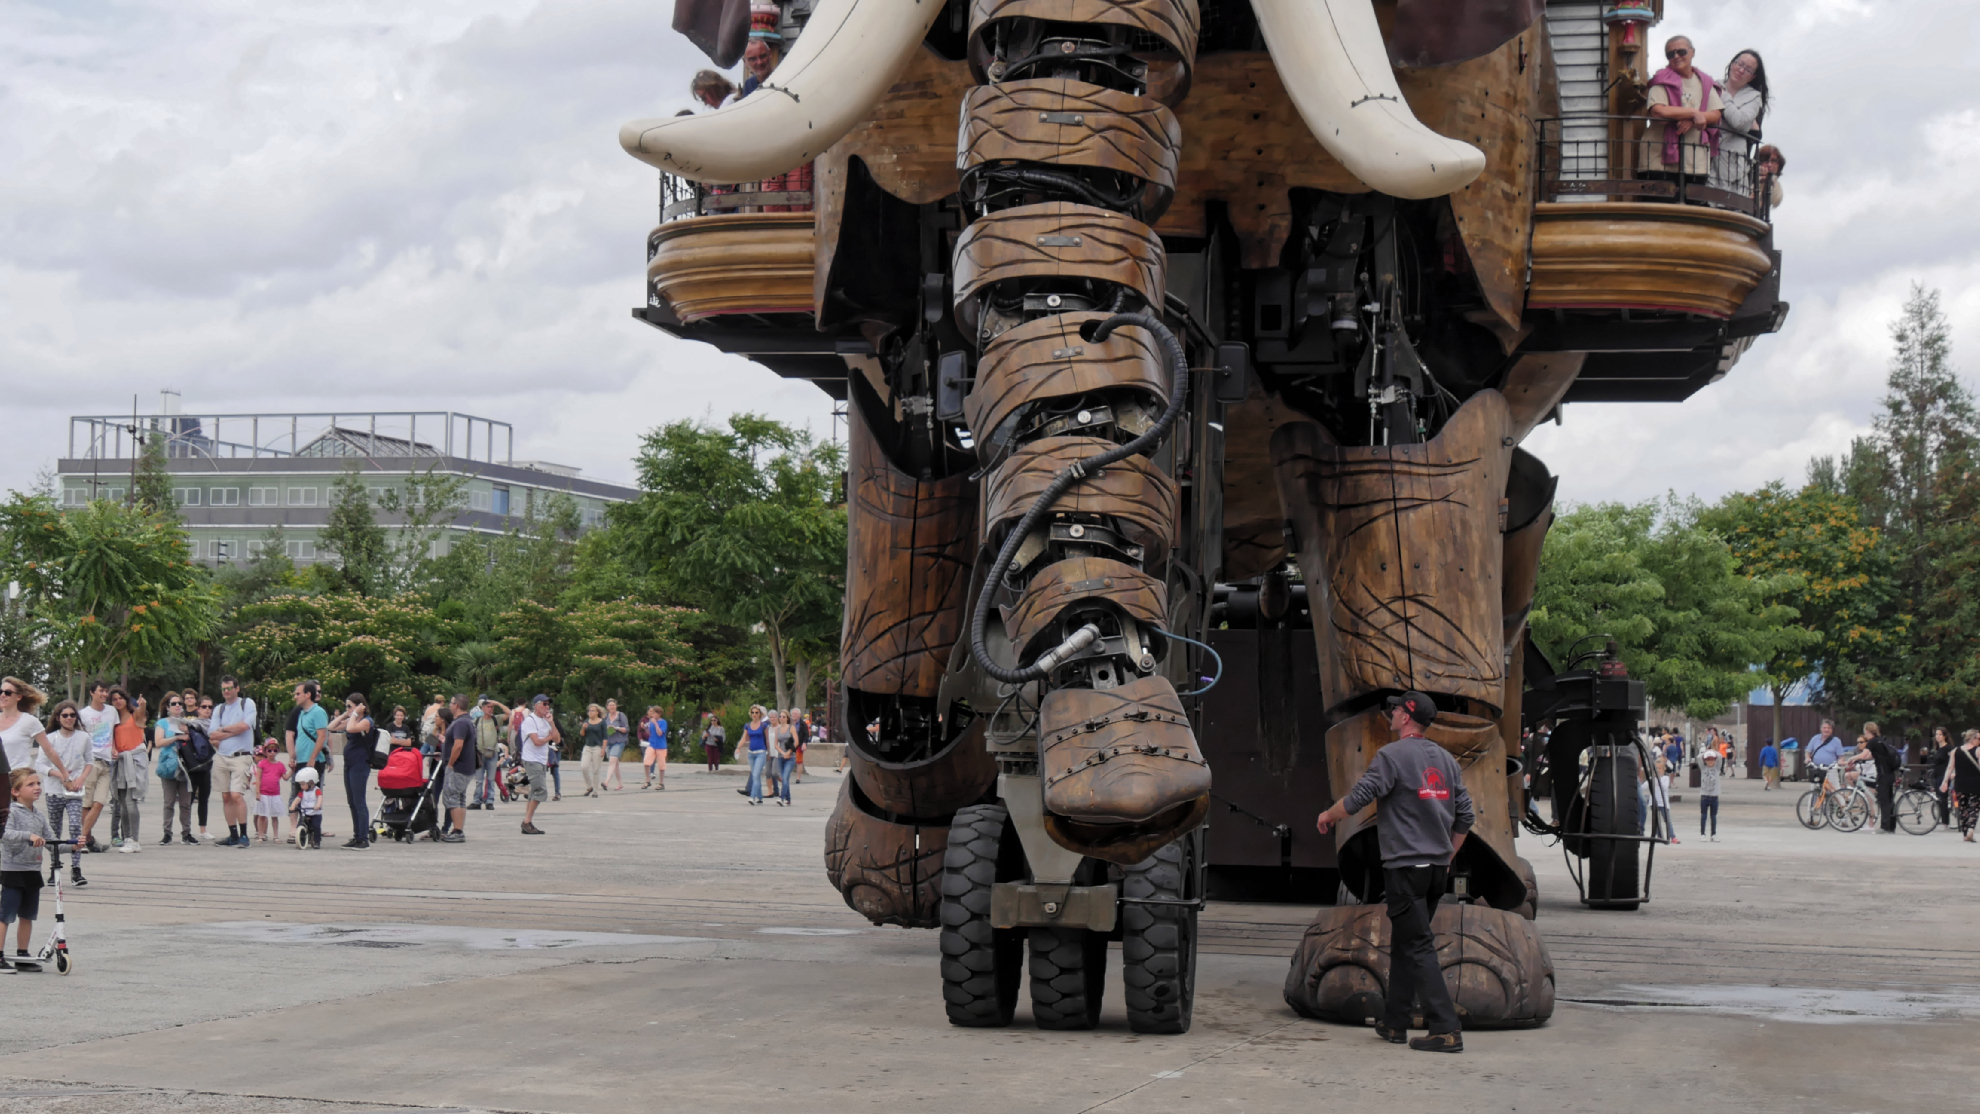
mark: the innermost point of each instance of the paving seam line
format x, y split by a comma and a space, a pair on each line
1207, 1057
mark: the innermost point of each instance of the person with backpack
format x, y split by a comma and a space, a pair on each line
197, 754
176, 783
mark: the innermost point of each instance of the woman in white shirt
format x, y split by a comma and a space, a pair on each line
61, 770
1744, 94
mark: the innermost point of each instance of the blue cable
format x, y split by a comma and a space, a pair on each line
1214, 654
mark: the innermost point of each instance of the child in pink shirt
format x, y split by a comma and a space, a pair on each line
268, 805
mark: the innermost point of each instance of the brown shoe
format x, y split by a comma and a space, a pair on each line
531, 830
1393, 1036
1439, 1042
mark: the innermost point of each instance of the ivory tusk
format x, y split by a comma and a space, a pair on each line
1331, 57
844, 62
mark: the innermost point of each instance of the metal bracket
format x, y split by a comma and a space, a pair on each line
1024, 799
1025, 905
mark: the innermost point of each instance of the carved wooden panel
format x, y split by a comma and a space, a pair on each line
734, 263
1058, 239
1535, 384
1254, 520
1642, 255
1134, 492
1494, 963
1122, 771
1173, 21
1061, 122
1046, 358
1063, 583
911, 546
1403, 543
889, 873
959, 774
1520, 573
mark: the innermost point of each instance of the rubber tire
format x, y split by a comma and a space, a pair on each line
1158, 943
1848, 812
980, 964
1068, 977
1612, 864
1812, 817
1917, 812
63, 964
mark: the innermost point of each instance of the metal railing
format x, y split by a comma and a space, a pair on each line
1621, 158
680, 198
405, 433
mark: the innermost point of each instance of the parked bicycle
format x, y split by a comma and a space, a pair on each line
1918, 807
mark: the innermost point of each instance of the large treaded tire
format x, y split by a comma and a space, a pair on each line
1612, 809
1068, 977
1158, 942
980, 964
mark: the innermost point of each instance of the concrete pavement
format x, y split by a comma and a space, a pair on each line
680, 947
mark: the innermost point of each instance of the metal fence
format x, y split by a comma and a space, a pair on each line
1587, 157
681, 198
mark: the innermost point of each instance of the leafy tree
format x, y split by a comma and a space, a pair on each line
151, 486
23, 652
353, 537
745, 522
394, 651
531, 560
595, 651
110, 588
1833, 570
1670, 592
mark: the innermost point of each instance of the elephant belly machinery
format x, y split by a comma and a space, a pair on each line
1186, 350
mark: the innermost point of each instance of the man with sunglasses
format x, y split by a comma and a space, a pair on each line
1684, 111
233, 744
99, 720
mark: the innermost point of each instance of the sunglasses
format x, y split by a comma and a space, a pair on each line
10, 692
66, 715
1677, 54
206, 707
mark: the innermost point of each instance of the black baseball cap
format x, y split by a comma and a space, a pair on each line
1420, 707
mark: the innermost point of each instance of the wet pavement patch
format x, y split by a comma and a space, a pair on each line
1795, 1003
409, 935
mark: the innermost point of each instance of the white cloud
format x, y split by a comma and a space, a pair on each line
358, 204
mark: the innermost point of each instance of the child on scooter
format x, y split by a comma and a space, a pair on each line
20, 864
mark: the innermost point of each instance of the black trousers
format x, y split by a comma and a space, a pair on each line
1886, 804
1413, 972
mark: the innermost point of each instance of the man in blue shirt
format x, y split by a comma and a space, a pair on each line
233, 766
1826, 748
304, 745
1770, 766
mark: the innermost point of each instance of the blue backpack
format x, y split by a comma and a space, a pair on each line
195, 749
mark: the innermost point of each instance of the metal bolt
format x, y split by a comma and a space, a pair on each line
1066, 48
1052, 300
1085, 416
1077, 530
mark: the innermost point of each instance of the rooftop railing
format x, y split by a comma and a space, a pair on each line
1621, 158
381, 434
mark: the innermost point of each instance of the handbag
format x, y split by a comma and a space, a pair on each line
381, 750
168, 764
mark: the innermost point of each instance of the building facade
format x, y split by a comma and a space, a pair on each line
234, 476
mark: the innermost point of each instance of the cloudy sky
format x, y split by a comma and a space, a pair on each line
353, 205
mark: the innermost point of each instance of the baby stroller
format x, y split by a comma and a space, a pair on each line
410, 782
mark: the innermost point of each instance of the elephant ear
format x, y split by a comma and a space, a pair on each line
719, 27
1445, 32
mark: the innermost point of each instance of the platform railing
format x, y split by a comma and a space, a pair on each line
1614, 158
681, 198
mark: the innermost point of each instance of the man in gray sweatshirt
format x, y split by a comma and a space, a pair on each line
1422, 816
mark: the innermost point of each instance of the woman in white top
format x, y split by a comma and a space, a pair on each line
1744, 94
61, 770
20, 731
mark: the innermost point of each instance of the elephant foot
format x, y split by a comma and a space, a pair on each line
1122, 772
1494, 962
888, 867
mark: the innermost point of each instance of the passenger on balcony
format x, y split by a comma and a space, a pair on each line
1771, 163
711, 88
760, 57
1745, 97
1683, 136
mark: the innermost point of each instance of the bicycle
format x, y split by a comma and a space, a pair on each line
1918, 809
1813, 807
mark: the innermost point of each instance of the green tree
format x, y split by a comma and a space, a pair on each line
1669, 591
746, 522
110, 588
531, 560
151, 485
423, 505
1831, 568
595, 651
395, 651
353, 537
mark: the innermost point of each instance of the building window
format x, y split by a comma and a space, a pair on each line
301, 550
478, 500
499, 499
186, 496
257, 496
377, 495
223, 497
302, 497
220, 551
256, 548
75, 497
115, 495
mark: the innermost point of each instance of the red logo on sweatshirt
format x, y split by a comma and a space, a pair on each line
1433, 786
